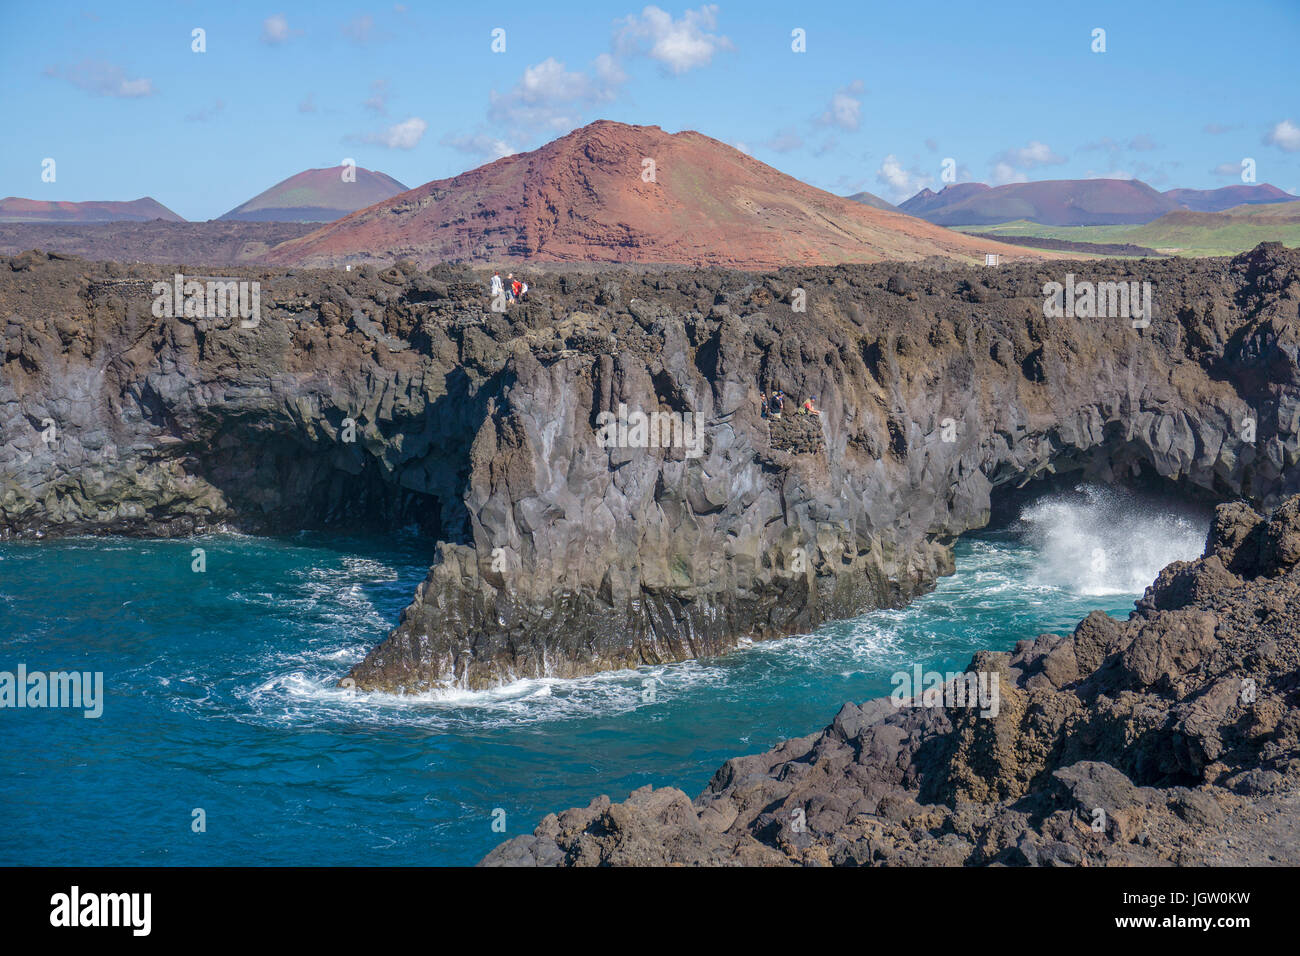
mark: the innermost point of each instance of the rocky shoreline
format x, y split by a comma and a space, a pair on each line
1172, 738
383, 398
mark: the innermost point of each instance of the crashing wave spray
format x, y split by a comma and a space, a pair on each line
1100, 541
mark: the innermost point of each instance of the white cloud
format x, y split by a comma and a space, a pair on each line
678, 45
609, 72
479, 144
1227, 169
845, 110
1010, 167
1285, 136
901, 183
1004, 173
275, 29
404, 135
1035, 154
551, 96
103, 79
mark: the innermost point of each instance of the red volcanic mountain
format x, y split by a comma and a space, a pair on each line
1217, 200
14, 209
610, 192
1053, 202
317, 195
928, 200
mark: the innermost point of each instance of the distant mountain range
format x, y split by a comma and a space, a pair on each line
14, 209
317, 195
1076, 202
610, 192
1226, 197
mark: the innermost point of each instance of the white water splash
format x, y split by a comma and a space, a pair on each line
1101, 541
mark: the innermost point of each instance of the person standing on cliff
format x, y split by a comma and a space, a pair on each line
778, 403
497, 287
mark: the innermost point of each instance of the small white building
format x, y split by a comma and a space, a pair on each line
991, 258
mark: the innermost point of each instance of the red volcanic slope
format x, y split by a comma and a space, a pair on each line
13, 209
589, 197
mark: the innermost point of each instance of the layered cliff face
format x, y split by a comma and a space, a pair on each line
1170, 738
564, 553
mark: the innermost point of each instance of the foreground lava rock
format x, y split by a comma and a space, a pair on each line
383, 398
1170, 738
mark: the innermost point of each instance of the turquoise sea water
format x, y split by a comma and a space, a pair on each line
219, 692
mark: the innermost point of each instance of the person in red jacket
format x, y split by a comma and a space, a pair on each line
515, 288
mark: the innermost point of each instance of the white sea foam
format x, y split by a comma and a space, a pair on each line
297, 683
1101, 541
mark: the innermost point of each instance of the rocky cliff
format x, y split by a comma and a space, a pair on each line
1170, 738
398, 396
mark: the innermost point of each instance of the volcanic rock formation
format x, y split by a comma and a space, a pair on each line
1076, 202
1171, 738
1053, 202
1225, 197
318, 195
610, 192
14, 209
560, 554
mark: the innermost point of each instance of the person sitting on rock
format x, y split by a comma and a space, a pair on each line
808, 406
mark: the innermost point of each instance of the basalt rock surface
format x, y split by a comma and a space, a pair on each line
1172, 738
397, 396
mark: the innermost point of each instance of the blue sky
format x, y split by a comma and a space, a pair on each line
1184, 91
